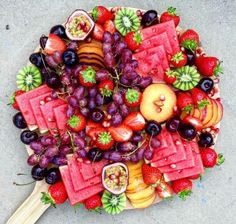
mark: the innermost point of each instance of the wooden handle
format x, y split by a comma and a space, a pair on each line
32, 208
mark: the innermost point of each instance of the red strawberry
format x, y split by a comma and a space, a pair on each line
122, 133
98, 32
104, 140
13, 100
109, 26
182, 187
170, 14
106, 87
101, 14
179, 60
195, 177
56, 194
133, 97
209, 66
133, 40
200, 98
77, 122
87, 77
151, 175
189, 40
93, 132
170, 77
53, 44
93, 203
210, 158
164, 190
185, 102
135, 121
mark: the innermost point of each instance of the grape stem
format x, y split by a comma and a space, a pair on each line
72, 141
132, 152
24, 184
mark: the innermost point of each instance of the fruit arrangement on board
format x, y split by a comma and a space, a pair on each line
120, 108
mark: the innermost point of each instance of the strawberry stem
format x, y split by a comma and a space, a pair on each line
220, 159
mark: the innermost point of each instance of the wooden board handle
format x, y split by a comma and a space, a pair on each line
32, 208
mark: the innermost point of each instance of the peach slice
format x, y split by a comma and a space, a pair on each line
158, 102
220, 111
197, 113
207, 112
214, 115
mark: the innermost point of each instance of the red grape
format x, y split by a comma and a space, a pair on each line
115, 156
148, 154
72, 101
43, 161
116, 119
102, 75
33, 160
126, 56
118, 98
47, 140
108, 37
51, 151
124, 110
155, 143
112, 108
109, 60
79, 92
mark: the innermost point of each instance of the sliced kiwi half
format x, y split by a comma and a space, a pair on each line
28, 78
126, 20
187, 78
113, 204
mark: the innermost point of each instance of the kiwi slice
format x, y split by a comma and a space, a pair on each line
186, 78
126, 20
28, 78
113, 204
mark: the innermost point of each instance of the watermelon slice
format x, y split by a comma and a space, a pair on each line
61, 118
189, 162
187, 172
158, 40
24, 104
169, 28
77, 179
91, 170
35, 105
48, 114
77, 196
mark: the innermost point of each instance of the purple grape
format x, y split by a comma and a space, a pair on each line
127, 69
92, 104
47, 140
51, 151
155, 143
124, 110
79, 141
140, 153
72, 101
108, 38
148, 154
44, 161
116, 156
85, 111
82, 153
70, 89
126, 146
73, 45
50, 61
57, 56
112, 108
82, 134
65, 139
124, 80
99, 100
102, 74
79, 92
116, 36
134, 158
126, 158
92, 91
145, 81
75, 82
37, 147
107, 48
33, 160
118, 98
116, 119
136, 81
121, 66
106, 155
70, 111
137, 138
134, 63
126, 56
54, 94
83, 102
119, 47
65, 79
59, 161
64, 150
173, 124
68, 71
109, 60
76, 70
132, 75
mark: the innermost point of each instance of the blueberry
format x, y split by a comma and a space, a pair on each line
69, 57
19, 121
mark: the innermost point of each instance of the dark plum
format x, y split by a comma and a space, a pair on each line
149, 18
53, 80
97, 115
52, 176
37, 59
70, 57
205, 139
172, 124
42, 41
28, 136
59, 30
190, 57
38, 173
206, 85
95, 154
187, 131
19, 121
153, 128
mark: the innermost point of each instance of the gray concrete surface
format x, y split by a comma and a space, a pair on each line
213, 200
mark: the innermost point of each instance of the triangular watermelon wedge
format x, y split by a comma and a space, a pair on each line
61, 118
76, 197
35, 105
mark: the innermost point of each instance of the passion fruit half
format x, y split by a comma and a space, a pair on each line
79, 25
115, 178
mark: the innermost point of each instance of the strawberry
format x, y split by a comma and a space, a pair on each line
135, 121
164, 190
93, 132
189, 40
170, 76
182, 187
209, 66
109, 26
87, 77
93, 203
185, 102
200, 98
133, 97
151, 175
195, 177
170, 14
101, 14
98, 32
106, 87
13, 99
179, 60
56, 194
104, 140
133, 40
122, 133
54, 43
77, 123
210, 158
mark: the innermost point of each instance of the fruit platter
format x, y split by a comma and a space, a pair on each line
119, 109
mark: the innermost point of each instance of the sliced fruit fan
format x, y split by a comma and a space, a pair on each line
120, 109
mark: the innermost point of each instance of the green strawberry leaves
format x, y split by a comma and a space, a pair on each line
137, 37
177, 57
189, 44
132, 95
172, 11
73, 121
47, 199
95, 13
89, 75
203, 103
220, 159
184, 194
104, 138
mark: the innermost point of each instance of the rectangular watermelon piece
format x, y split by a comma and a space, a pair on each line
48, 114
158, 40
35, 105
24, 104
169, 28
61, 118
90, 170
76, 197
77, 179
180, 155
167, 147
187, 172
187, 163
